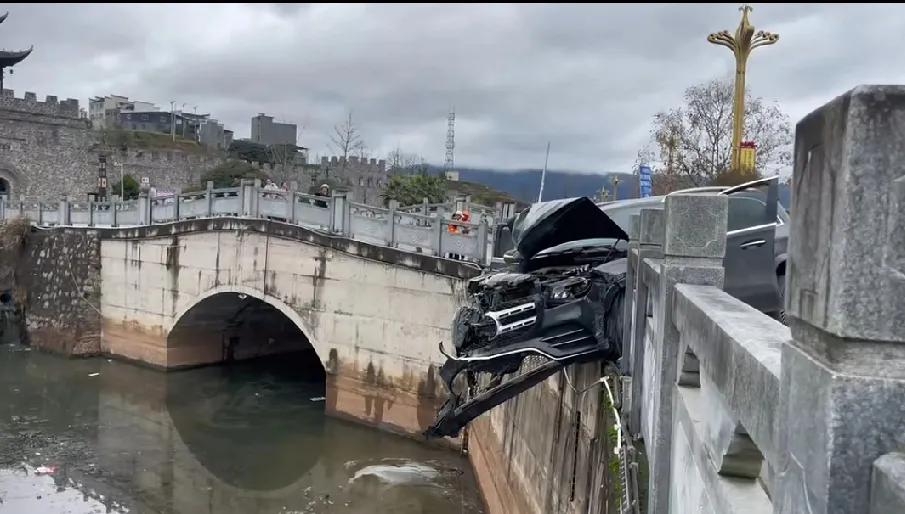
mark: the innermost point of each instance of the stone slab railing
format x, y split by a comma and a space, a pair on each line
434, 235
738, 413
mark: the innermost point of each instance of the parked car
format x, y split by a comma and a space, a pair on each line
756, 241
561, 299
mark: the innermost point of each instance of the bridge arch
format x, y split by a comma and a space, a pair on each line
234, 322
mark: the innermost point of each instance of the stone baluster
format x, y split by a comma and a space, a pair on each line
483, 250
439, 229
114, 200
291, 198
843, 375
629, 295
144, 208
177, 198
64, 212
91, 209
209, 198
694, 244
651, 227
391, 223
341, 213
256, 199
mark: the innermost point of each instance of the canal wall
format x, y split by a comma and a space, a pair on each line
546, 450
52, 277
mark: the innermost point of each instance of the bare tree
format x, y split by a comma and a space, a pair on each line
694, 141
346, 138
402, 163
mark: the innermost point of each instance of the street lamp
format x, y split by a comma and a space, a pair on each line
183, 121
742, 44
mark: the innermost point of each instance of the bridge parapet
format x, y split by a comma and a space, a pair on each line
396, 228
739, 413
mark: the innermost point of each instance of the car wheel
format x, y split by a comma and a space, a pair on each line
782, 298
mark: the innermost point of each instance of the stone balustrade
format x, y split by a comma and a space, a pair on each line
738, 413
435, 235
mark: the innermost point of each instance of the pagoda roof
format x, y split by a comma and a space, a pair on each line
9, 58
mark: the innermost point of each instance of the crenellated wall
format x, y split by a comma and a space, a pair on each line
48, 150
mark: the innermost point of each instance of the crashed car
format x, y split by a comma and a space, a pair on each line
561, 300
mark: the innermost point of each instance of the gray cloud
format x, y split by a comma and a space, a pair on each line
587, 78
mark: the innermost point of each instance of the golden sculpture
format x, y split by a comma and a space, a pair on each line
742, 44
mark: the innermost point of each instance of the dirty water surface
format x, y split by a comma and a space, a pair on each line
101, 436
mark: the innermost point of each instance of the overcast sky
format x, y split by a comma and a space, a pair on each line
588, 78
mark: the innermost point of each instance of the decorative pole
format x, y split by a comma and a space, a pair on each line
742, 44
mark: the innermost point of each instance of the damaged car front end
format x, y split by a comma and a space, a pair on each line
561, 302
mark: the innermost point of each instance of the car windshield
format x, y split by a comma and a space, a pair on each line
622, 213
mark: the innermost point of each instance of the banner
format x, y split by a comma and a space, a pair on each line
645, 185
747, 156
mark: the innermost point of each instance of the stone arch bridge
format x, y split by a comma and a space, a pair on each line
202, 291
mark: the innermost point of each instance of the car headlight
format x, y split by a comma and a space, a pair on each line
570, 290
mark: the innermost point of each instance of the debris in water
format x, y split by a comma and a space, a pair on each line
318, 398
93, 374
45, 470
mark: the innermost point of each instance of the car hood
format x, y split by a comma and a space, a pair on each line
548, 224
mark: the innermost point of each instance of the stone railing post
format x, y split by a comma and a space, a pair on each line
114, 199
391, 223
242, 199
439, 229
630, 295
256, 199
90, 211
651, 228
63, 215
483, 255
694, 244
341, 212
209, 198
290, 197
843, 375
144, 208
176, 210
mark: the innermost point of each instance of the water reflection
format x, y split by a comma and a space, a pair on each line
233, 439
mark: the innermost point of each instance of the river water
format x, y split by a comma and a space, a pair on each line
98, 436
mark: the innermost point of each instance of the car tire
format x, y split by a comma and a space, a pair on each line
781, 279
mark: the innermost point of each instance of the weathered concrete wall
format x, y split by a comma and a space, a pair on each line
374, 315
60, 274
546, 450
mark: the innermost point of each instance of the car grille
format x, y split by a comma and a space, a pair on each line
514, 318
